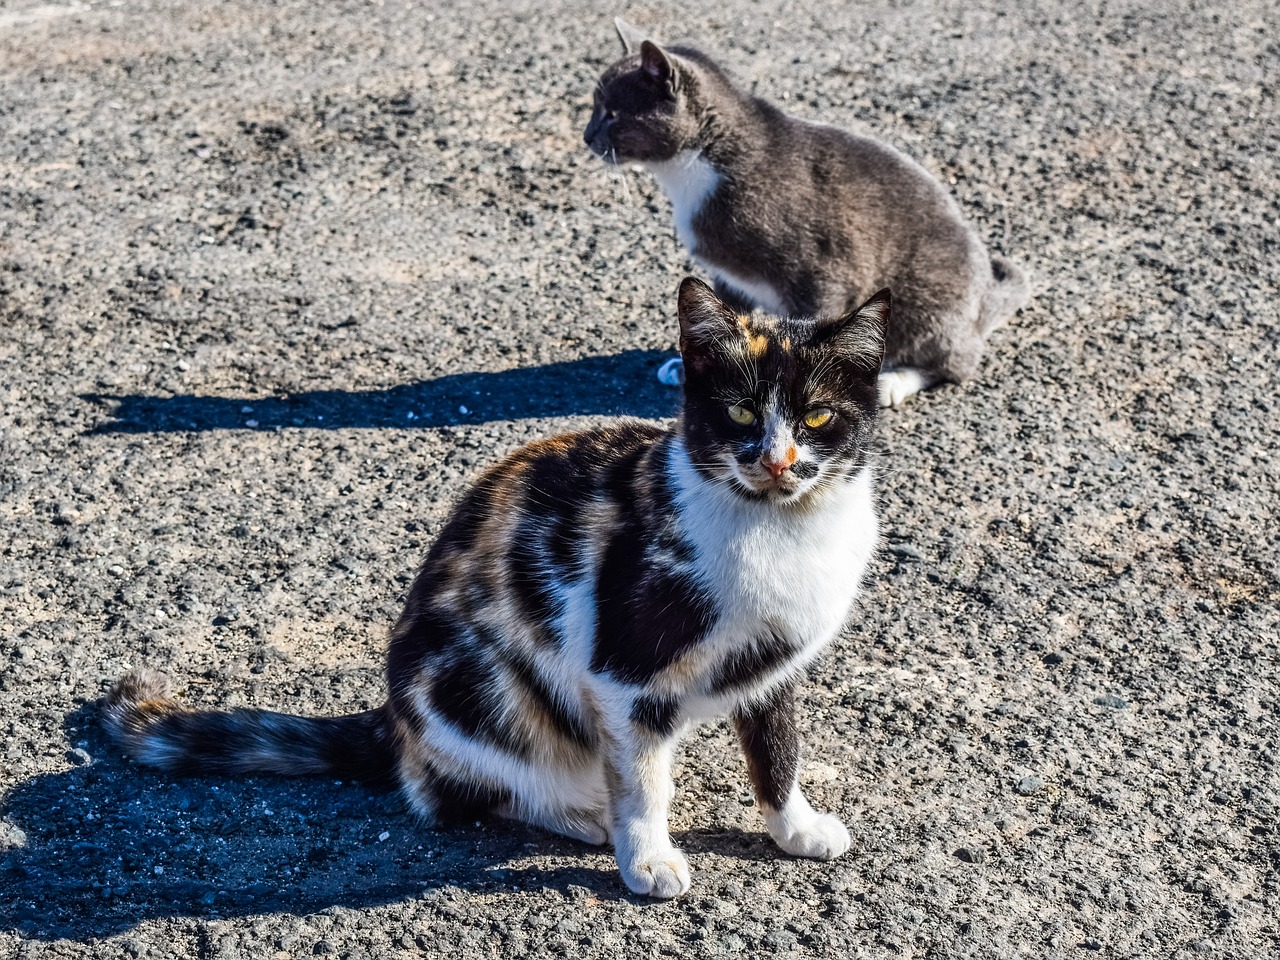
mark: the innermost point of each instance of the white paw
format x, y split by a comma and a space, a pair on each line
671, 373
823, 837
664, 875
896, 385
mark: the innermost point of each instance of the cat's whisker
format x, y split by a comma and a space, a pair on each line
620, 176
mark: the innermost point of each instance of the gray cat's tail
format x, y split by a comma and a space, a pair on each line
156, 730
1008, 293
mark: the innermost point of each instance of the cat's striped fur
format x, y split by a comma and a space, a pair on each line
595, 593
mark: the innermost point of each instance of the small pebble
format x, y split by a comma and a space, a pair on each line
384, 835
1111, 700
1028, 786
79, 756
973, 855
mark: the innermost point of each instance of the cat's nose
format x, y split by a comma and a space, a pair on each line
778, 466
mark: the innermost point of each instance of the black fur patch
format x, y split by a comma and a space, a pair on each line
530, 583
645, 625
767, 731
656, 714
646, 617
565, 722
745, 666
465, 692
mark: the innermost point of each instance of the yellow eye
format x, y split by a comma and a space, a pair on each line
818, 417
742, 416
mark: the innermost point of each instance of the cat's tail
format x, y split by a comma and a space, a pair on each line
1008, 293
154, 729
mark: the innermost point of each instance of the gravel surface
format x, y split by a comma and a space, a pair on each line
278, 279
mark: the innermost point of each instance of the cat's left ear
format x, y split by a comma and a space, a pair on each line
705, 323
658, 64
859, 334
630, 35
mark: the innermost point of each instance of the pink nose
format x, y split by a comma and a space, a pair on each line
778, 467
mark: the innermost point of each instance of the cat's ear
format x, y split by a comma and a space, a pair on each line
658, 64
705, 322
859, 334
630, 35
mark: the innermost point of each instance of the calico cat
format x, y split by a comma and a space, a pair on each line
596, 593
803, 219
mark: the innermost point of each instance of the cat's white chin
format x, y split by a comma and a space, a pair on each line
779, 491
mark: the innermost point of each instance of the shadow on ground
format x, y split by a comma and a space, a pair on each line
624, 383
108, 845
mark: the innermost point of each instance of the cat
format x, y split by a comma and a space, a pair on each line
804, 219
596, 593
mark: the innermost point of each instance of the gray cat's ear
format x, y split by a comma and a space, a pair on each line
860, 333
704, 319
658, 64
630, 35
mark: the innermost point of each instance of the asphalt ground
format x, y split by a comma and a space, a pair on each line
277, 280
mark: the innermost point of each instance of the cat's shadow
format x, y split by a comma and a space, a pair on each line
104, 846
623, 383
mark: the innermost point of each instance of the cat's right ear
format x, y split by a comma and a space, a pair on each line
656, 63
705, 323
630, 35
860, 333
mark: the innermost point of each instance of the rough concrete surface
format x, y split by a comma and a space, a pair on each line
278, 279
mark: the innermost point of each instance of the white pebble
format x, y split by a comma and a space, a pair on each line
463, 409
384, 835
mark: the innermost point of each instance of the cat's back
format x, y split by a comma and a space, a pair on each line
529, 521
839, 162
546, 483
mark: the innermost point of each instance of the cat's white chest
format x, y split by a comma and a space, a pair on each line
794, 572
688, 179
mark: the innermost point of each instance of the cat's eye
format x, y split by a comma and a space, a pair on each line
818, 417
743, 416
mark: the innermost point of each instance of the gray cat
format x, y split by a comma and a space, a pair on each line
803, 219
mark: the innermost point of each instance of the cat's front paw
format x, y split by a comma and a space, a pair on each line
821, 837
894, 386
664, 875
671, 373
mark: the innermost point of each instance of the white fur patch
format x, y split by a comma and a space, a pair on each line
671, 373
796, 567
894, 386
759, 293
802, 831
687, 179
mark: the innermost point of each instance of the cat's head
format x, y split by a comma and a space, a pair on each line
645, 104
778, 408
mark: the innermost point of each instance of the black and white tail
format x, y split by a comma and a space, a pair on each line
154, 729
1006, 296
